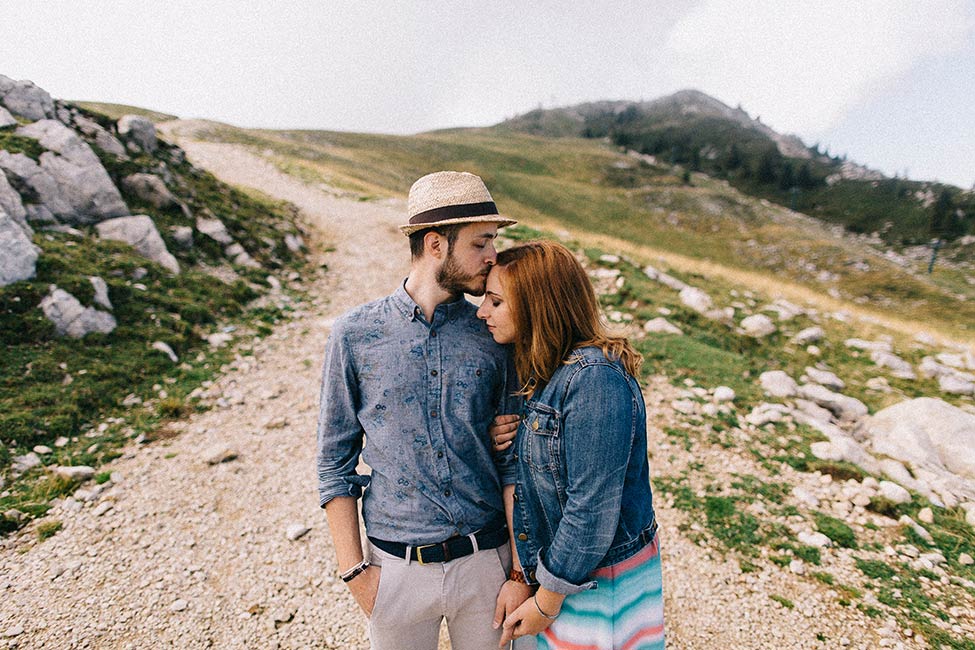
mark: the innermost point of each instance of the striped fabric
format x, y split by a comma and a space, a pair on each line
625, 611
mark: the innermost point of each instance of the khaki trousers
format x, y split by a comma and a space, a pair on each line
413, 599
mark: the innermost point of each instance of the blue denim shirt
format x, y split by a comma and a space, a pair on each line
415, 399
582, 500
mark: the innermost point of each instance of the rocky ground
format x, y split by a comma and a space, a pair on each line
212, 537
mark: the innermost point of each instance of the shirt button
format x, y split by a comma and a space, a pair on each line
439, 454
523, 537
514, 497
433, 373
514, 456
478, 372
447, 492
433, 334
433, 414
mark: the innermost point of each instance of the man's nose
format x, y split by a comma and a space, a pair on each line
490, 255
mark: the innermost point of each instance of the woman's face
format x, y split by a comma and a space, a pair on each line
495, 309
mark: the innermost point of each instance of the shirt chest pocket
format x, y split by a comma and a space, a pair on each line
541, 428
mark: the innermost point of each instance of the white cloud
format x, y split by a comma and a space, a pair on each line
803, 65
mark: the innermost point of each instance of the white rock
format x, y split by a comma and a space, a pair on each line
954, 385
296, 531
150, 188
797, 567
18, 255
220, 454
71, 318
214, 229
878, 384
21, 464
757, 326
965, 559
805, 496
724, 394
812, 411
925, 515
139, 231
6, 119
778, 384
140, 130
893, 492
74, 472
102, 508
925, 338
825, 378
42, 449
931, 368
13, 631
809, 335
101, 291
663, 278
816, 539
294, 243
164, 347
970, 517
918, 529
842, 406
661, 325
899, 367
765, 413
934, 558
696, 299
860, 344
685, 406
179, 605
25, 99
219, 339
813, 350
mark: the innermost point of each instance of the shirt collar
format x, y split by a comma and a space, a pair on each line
411, 311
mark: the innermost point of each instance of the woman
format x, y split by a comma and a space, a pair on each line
582, 515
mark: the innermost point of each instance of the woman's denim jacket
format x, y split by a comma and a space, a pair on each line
582, 500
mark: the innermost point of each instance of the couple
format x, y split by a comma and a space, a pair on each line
546, 531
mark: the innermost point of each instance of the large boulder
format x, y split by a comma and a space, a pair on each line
926, 433
69, 180
26, 100
139, 130
6, 119
757, 326
11, 203
140, 232
18, 256
103, 139
696, 299
778, 384
73, 319
844, 407
898, 366
149, 188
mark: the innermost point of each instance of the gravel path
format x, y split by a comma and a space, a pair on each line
177, 552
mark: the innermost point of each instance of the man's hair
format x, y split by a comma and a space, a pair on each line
449, 231
554, 310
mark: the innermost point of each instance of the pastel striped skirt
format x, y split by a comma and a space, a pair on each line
625, 611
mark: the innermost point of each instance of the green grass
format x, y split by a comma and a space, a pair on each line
18, 144
115, 111
785, 602
836, 530
48, 529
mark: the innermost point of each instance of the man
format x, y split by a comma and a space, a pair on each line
411, 382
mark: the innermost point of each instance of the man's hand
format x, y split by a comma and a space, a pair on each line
365, 587
502, 431
512, 595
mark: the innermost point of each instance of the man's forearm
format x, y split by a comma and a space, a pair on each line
508, 494
343, 523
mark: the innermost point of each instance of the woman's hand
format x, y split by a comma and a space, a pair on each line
527, 619
502, 431
511, 596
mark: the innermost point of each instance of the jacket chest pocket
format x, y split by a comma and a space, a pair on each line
541, 430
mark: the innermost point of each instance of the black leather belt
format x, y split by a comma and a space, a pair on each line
451, 549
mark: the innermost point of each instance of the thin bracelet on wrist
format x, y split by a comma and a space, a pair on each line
538, 607
354, 571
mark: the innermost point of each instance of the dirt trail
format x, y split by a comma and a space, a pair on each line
181, 553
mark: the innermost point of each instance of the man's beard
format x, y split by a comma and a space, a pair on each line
453, 280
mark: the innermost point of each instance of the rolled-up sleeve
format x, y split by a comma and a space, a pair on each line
339, 432
597, 435
509, 404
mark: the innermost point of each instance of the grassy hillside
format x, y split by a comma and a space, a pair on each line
115, 111
701, 134
587, 186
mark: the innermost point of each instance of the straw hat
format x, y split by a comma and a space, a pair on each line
444, 198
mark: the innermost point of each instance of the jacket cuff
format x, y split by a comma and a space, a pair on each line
340, 487
559, 585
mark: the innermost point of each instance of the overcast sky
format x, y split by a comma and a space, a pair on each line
890, 83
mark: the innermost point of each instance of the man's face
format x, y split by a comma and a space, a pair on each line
468, 261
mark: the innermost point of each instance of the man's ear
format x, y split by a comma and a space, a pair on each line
435, 244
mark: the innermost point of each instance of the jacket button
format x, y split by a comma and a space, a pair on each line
522, 536
433, 373
433, 334
514, 497
531, 575
447, 493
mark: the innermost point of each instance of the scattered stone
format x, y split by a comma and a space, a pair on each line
724, 394
139, 130
101, 292
909, 550
765, 413
74, 472
758, 326
20, 464
294, 243
806, 497
661, 325
24, 99
13, 631
925, 515
965, 559
899, 367
183, 236
825, 378
797, 567
813, 350
894, 492
179, 605
71, 318
14, 515
283, 615
139, 231
664, 279
219, 455
860, 344
809, 335
778, 384
18, 255
219, 339
150, 188
696, 299
214, 229
164, 347
296, 531
918, 529
6, 119
61, 441
954, 384
842, 406
935, 558
878, 384
42, 449
102, 508
816, 539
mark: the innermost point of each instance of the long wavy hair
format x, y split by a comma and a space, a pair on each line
554, 310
